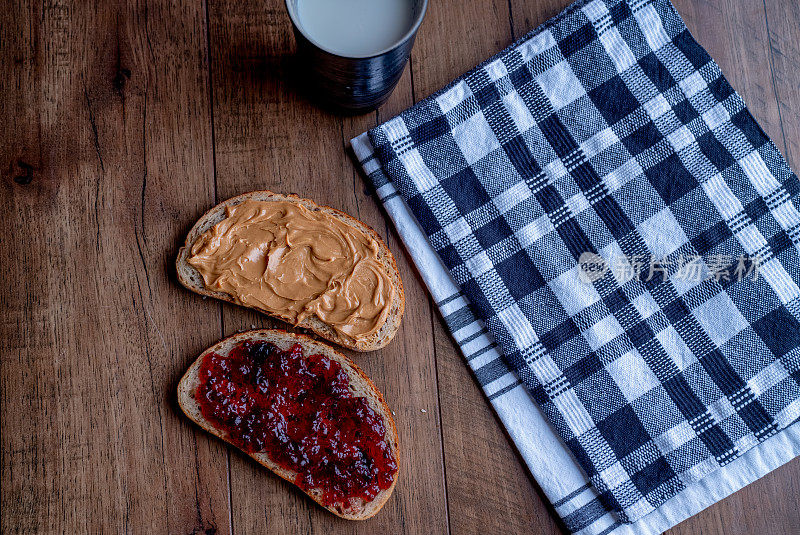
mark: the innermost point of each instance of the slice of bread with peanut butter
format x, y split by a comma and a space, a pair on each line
309, 265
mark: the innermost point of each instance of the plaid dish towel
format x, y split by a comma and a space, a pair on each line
609, 234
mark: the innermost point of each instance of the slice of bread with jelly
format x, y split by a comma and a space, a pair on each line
190, 277
194, 394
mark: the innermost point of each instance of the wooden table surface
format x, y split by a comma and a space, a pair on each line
122, 123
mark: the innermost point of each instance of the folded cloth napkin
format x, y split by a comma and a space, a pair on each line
614, 244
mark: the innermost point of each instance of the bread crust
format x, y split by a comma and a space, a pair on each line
361, 385
189, 277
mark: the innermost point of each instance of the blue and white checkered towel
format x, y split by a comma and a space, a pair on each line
619, 241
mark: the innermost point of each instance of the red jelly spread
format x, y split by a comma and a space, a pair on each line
302, 413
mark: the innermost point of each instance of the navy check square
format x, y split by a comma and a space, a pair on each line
610, 131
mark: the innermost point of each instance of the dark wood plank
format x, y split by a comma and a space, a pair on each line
269, 136
106, 157
526, 16
455, 37
783, 27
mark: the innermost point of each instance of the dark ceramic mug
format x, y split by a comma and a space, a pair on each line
353, 84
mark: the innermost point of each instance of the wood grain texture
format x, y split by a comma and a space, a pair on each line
126, 120
109, 141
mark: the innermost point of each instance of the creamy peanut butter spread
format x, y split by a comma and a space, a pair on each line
293, 262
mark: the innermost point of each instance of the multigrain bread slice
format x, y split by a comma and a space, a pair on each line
191, 278
360, 384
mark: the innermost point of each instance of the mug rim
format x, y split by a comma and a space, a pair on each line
291, 9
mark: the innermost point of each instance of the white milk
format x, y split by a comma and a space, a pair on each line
355, 28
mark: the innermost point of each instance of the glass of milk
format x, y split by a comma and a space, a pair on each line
353, 52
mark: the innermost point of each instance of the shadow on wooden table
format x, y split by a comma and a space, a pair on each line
269, 69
